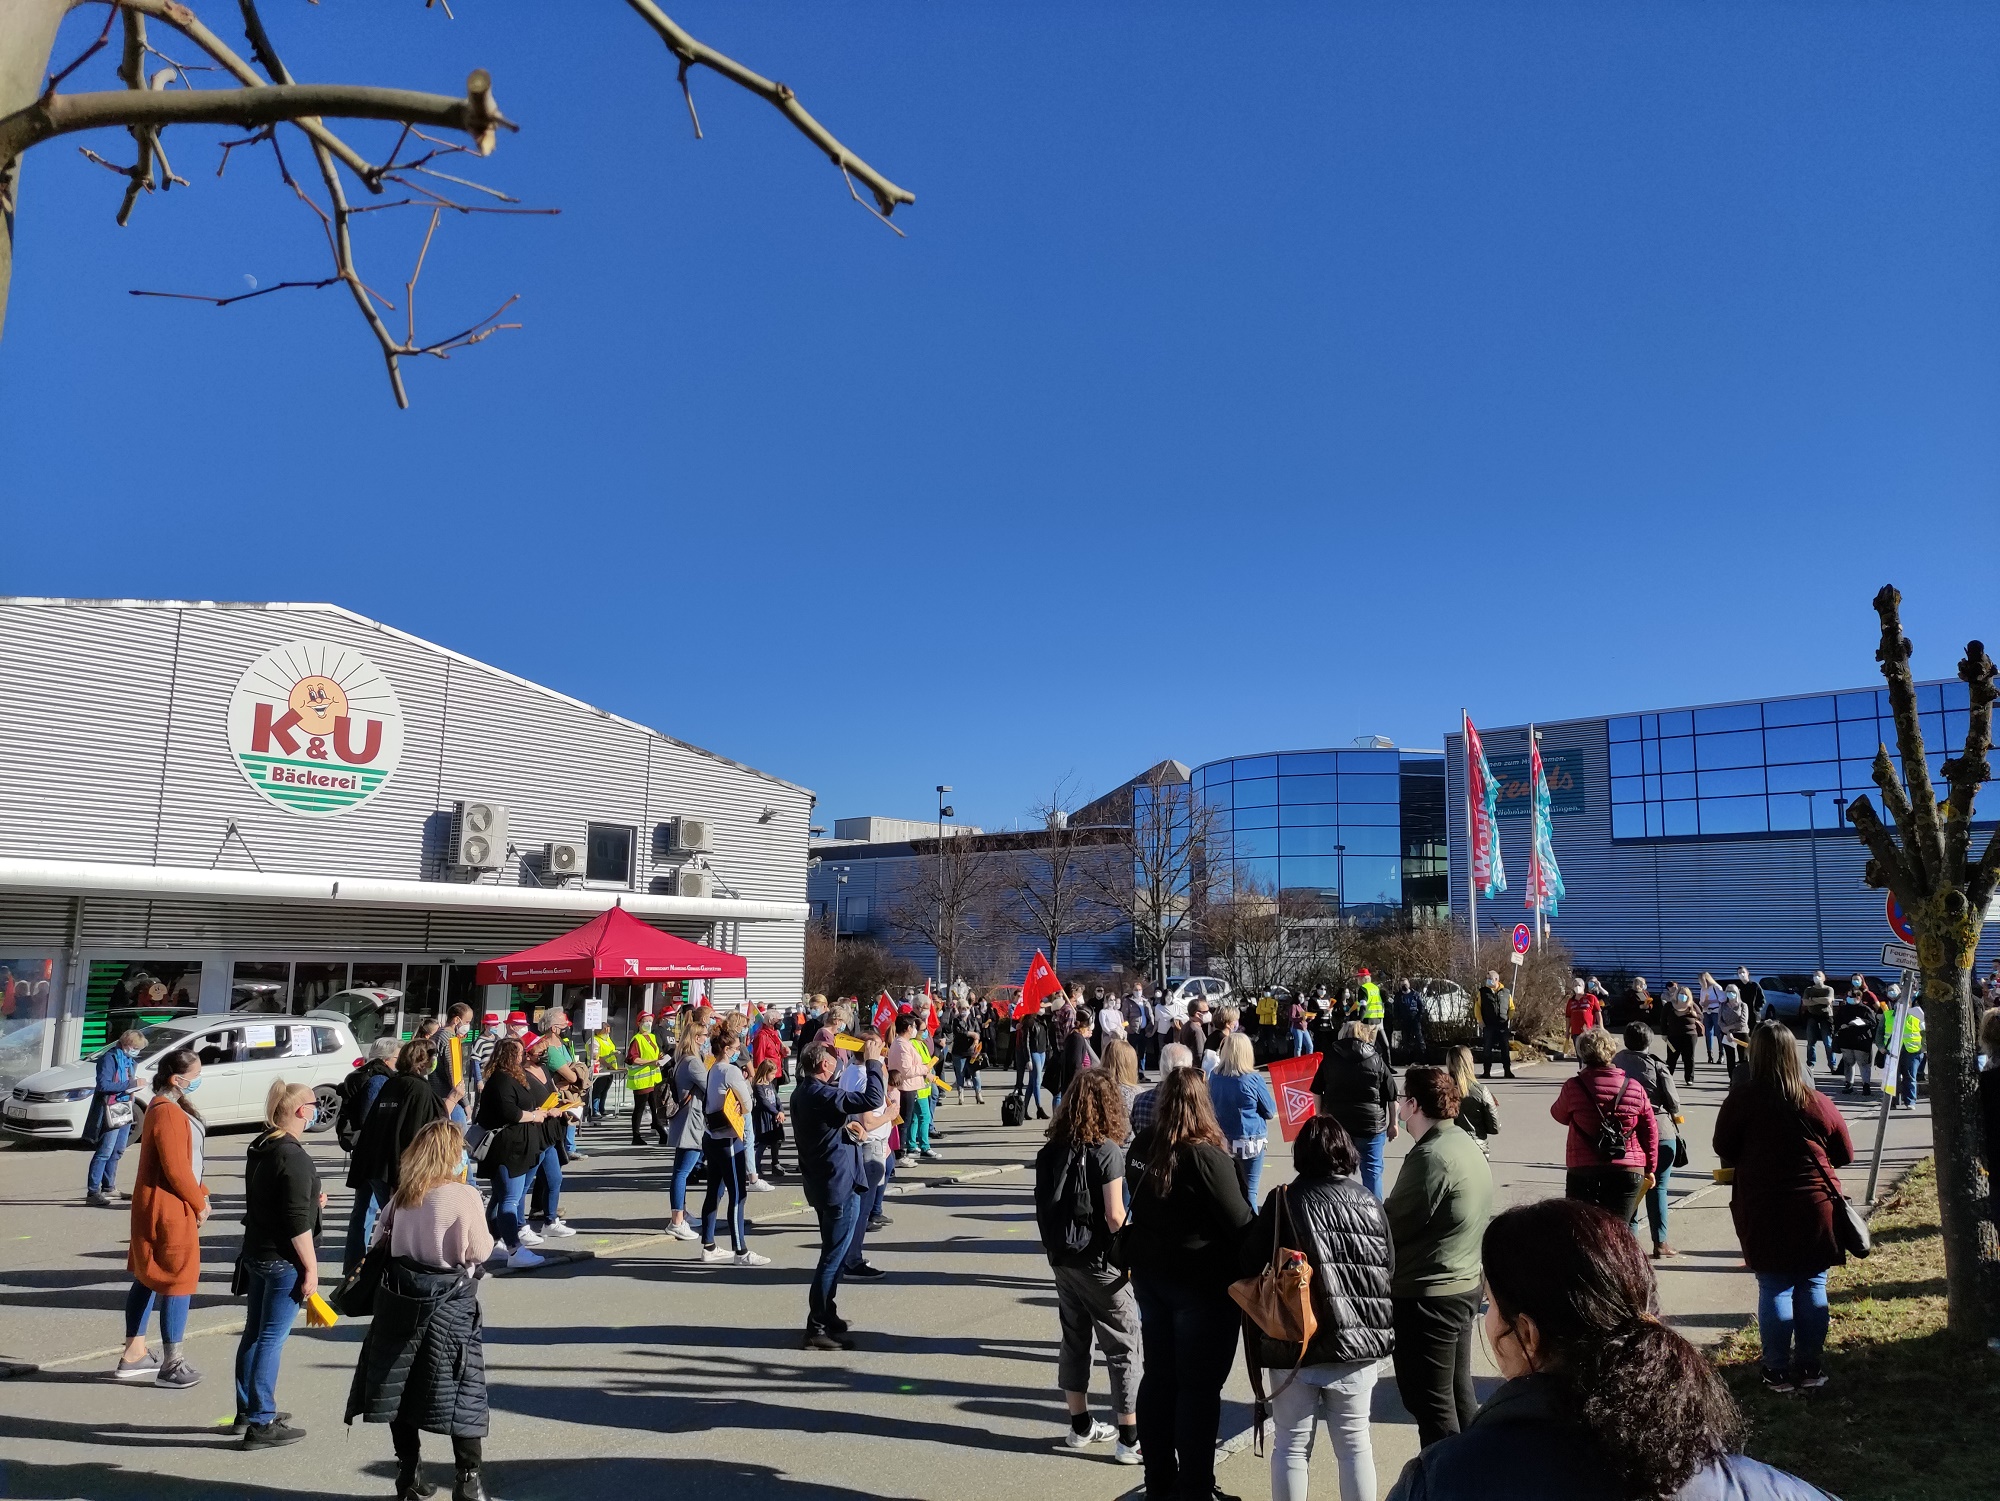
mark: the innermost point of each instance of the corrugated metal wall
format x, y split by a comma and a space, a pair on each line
1672, 908
117, 750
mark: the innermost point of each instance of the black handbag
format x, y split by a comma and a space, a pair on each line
1850, 1230
355, 1297
1680, 1151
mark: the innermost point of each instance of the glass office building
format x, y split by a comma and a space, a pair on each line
1773, 766
1363, 830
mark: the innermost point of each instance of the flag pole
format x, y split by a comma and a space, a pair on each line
1534, 841
1471, 880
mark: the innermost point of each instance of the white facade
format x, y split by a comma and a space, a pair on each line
142, 747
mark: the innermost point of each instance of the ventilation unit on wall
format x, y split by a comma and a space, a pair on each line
692, 882
478, 835
562, 859
688, 836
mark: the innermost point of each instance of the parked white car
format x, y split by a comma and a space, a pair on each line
1184, 990
241, 1056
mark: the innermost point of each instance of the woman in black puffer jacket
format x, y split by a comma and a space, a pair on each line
1327, 1213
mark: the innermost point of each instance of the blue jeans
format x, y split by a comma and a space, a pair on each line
173, 1313
1032, 1089
1250, 1173
368, 1200
725, 1171
1711, 1027
1372, 1150
1655, 1200
870, 1200
503, 1209
685, 1159
550, 1168
273, 1310
1188, 1334
1302, 1042
103, 1176
964, 1077
1906, 1077
838, 1227
1791, 1319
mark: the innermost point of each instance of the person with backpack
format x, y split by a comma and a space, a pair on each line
1636, 1059
357, 1095
1079, 1206
1784, 1139
1613, 1140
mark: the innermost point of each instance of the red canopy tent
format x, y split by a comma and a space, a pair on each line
613, 946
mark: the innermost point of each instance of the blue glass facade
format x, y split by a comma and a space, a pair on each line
1363, 830
1774, 766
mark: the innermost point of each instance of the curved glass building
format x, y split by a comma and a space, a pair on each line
1361, 830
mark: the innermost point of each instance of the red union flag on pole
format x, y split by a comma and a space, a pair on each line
1482, 801
885, 1017
1037, 986
1291, 1082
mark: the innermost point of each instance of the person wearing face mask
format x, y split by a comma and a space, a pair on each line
278, 1266
107, 1124
460, 1094
169, 1206
1752, 993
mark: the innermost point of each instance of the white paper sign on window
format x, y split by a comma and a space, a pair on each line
260, 1037
302, 1043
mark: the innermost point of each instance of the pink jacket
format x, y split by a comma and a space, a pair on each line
1594, 1093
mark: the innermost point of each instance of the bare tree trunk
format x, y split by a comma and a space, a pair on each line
27, 40
1970, 1249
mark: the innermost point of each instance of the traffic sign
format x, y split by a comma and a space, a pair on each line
1523, 936
1899, 922
1899, 956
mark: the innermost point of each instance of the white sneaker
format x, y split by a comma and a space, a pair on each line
1127, 1454
1101, 1432
682, 1230
525, 1258
759, 1186
717, 1253
751, 1258
558, 1229
528, 1237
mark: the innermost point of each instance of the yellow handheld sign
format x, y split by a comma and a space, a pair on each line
849, 1044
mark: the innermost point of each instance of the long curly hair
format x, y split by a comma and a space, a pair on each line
1654, 1404
507, 1059
1092, 1110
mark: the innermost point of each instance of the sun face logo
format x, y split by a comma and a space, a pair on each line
315, 728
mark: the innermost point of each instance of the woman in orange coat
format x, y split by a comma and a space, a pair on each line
168, 1207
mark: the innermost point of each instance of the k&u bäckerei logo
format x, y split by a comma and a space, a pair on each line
315, 727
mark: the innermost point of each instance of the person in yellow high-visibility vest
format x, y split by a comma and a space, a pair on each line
644, 1078
603, 1055
1371, 998
1911, 1058
920, 1131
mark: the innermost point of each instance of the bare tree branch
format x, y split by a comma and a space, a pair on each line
1965, 772
694, 54
1924, 842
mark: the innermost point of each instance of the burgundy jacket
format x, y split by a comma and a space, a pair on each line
1780, 1202
1596, 1092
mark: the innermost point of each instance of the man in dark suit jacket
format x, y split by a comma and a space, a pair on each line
835, 1175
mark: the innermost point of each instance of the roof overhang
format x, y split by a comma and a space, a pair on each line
191, 883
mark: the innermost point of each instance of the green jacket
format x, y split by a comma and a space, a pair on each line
1437, 1214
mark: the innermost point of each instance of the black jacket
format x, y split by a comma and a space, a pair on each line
1355, 1087
516, 1143
280, 1198
1345, 1235
424, 1357
1192, 1235
1525, 1444
405, 1106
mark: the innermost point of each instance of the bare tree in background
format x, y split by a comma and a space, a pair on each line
1055, 889
948, 900
1171, 834
1927, 862
211, 84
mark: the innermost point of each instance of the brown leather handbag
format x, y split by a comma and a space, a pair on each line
1278, 1303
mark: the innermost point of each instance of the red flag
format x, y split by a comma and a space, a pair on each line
930, 1012
885, 1017
1037, 985
1291, 1082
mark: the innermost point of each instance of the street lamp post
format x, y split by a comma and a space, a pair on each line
1339, 878
944, 812
839, 880
1812, 836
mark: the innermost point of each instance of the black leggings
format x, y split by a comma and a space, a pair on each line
1683, 1049
406, 1437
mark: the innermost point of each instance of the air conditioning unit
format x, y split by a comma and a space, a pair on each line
478, 835
692, 882
689, 836
562, 859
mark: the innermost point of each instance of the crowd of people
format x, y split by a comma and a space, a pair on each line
1150, 1202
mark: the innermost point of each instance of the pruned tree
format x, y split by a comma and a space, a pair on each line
1927, 861
1055, 888
259, 95
1171, 835
947, 900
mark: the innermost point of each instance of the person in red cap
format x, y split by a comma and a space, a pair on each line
1371, 998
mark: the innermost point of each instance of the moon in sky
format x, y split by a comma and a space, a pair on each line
249, 281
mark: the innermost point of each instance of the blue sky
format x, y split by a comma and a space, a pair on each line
1251, 378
